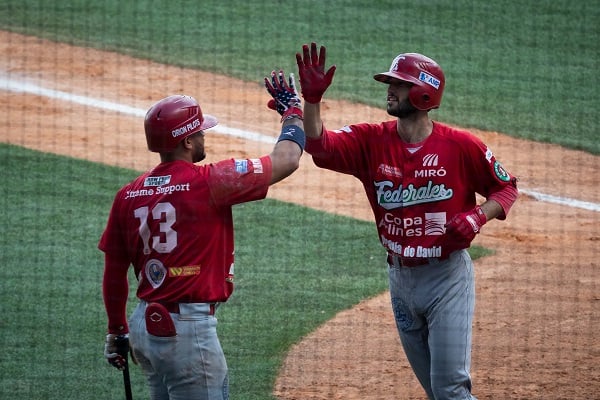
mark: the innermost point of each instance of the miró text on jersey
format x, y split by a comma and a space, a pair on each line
428, 173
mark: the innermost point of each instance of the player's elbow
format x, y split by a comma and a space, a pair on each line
285, 162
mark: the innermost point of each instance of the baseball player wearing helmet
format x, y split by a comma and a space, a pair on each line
174, 225
421, 178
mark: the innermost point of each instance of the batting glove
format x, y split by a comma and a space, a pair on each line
116, 348
466, 225
285, 98
311, 68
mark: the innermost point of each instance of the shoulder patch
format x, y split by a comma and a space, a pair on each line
241, 166
257, 165
501, 172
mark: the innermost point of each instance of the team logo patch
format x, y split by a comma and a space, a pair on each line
390, 170
257, 165
241, 166
501, 172
155, 272
157, 180
430, 160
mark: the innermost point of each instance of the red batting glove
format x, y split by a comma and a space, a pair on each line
311, 68
466, 225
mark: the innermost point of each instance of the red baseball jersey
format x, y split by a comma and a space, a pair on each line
174, 225
413, 191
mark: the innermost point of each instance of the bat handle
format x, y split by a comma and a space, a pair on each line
122, 343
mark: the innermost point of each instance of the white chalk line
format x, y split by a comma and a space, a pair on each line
25, 87
548, 198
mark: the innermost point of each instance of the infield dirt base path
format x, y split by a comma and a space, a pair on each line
538, 300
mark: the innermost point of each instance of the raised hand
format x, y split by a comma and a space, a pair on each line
314, 81
285, 97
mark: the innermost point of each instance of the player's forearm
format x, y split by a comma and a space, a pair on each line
115, 289
285, 158
491, 209
313, 124
505, 198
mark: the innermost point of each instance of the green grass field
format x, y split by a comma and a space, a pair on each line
526, 70
288, 280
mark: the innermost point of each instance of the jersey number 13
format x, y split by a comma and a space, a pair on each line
166, 241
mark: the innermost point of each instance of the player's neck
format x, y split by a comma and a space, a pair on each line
175, 156
414, 130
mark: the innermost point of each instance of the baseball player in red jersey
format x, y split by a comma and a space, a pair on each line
174, 225
421, 178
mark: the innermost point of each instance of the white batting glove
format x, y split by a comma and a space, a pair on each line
116, 348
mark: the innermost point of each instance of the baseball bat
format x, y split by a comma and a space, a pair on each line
122, 344
127, 382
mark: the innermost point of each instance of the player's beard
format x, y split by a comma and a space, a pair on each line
199, 154
401, 109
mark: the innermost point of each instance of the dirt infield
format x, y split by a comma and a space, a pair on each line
538, 298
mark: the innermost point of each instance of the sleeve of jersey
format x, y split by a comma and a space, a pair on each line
115, 289
237, 181
506, 197
112, 241
336, 150
495, 182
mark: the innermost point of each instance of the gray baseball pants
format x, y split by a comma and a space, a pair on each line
188, 366
433, 306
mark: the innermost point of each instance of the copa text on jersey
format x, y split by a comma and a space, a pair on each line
182, 187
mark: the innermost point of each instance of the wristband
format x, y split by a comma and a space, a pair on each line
293, 133
294, 111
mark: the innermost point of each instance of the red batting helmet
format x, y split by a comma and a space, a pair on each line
173, 119
425, 74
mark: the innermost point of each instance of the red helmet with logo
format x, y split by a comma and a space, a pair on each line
425, 74
171, 120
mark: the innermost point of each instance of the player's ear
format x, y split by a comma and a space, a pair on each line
187, 142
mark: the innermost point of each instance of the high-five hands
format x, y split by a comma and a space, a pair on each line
285, 97
314, 81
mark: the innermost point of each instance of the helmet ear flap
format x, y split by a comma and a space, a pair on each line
419, 98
